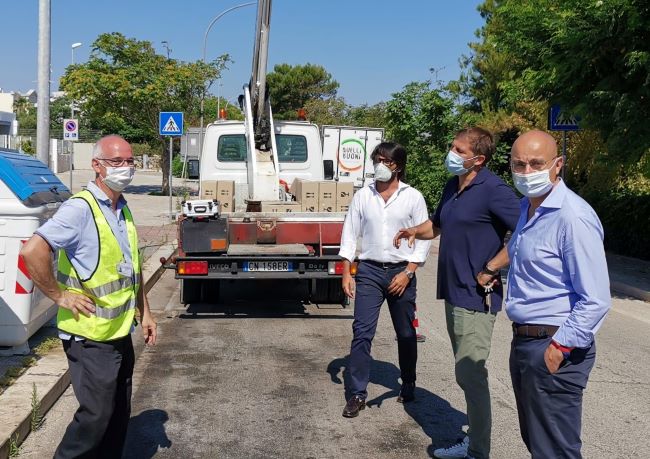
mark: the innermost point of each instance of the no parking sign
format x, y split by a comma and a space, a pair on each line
70, 130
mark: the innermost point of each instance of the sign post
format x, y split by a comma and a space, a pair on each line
71, 134
170, 124
561, 121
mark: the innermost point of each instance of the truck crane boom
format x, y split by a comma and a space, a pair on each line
263, 165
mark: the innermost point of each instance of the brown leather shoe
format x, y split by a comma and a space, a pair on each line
354, 405
407, 393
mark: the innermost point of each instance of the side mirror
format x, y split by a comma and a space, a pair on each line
328, 169
193, 169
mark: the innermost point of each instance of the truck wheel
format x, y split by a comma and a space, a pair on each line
335, 293
327, 291
190, 291
210, 291
318, 293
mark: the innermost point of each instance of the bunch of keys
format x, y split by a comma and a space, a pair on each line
488, 294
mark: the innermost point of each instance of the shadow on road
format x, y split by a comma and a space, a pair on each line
146, 434
437, 418
260, 309
263, 299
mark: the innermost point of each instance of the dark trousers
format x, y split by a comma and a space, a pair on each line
101, 378
549, 405
372, 283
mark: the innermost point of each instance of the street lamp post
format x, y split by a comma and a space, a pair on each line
205, 45
165, 44
70, 144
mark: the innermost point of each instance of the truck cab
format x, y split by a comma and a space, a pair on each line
299, 153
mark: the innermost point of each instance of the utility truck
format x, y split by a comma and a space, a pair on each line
273, 195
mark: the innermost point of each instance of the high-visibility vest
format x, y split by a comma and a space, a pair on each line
114, 295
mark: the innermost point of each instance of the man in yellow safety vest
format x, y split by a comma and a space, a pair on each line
97, 288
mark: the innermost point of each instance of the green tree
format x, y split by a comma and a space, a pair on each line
368, 115
422, 119
291, 87
125, 84
591, 56
25, 113
333, 110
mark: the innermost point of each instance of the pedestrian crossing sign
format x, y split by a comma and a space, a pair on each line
170, 123
559, 120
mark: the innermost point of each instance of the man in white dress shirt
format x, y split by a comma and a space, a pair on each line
385, 273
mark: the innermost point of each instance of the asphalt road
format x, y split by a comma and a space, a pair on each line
257, 376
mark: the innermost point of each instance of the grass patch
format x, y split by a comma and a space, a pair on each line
14, 372
10, 376
14, 449
49, 343
36, 418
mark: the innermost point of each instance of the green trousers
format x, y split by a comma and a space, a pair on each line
470, 333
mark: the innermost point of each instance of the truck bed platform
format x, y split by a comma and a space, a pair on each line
262, 250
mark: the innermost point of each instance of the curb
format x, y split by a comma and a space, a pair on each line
629, 290
51, 377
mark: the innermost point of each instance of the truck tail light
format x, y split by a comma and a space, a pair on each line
192, 267
353, 268
335, 267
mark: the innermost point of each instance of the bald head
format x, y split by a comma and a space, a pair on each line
537, 144
534, 151
112, 146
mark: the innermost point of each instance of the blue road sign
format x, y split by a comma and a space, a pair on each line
170, 123
561, 121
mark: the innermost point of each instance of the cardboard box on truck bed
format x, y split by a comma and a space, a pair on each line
344, 192
226, 195
281, 206
327, 197
209, 189
219, 190
306, 193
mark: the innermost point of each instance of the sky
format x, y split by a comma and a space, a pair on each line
372, 48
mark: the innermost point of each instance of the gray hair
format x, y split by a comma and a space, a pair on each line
97, 149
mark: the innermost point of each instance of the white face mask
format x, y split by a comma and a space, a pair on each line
118, 178
534, 184
383, 173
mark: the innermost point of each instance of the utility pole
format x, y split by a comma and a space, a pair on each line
71, 144
43, 111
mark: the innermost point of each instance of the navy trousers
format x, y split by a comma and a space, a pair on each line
101, 378
549, 405
372, 281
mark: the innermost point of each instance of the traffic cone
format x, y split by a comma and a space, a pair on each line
416, 324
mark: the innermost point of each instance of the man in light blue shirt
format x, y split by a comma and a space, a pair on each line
557, 297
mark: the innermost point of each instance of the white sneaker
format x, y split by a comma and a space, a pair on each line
457, 451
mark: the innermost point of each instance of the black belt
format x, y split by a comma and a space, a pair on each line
534, 331
379, 264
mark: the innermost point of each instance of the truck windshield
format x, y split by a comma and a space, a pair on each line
291, 148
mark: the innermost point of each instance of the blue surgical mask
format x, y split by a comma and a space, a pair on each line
454, 163
535, 184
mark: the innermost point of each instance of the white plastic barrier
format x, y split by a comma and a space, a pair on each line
29, 195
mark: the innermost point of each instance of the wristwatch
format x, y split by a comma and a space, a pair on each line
409, 274
489, 271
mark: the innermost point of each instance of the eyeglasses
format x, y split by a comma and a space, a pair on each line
117, 162
384, 161
535, 165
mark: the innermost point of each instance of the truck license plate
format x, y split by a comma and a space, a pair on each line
268, 266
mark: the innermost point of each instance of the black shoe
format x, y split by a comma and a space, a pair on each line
407, 393
354, 405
